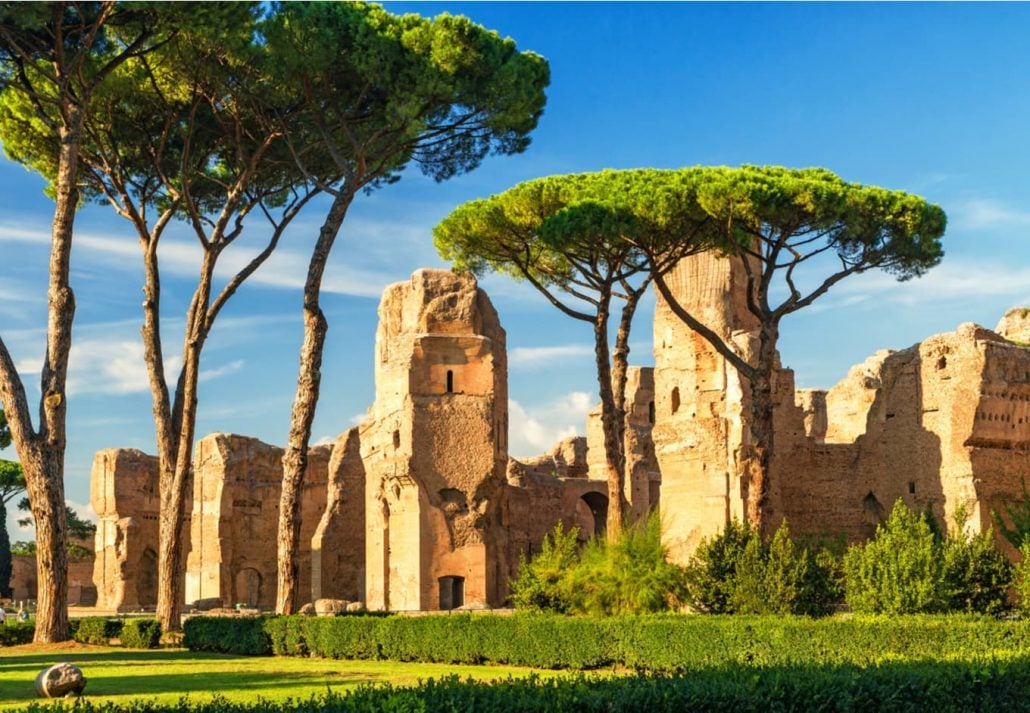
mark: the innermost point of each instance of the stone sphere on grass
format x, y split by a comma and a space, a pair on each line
60, 680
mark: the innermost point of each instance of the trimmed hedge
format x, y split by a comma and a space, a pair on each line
96, 630
141, 633
664, 644
15, 633
916, 687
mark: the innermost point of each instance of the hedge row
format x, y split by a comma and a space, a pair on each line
134, 633
666, 644
943, 688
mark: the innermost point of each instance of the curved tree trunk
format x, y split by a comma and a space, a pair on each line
295, 457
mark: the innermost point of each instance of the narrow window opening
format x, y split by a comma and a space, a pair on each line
450, 381
942, 363
676, 399
650, 413
452, 592
396, 439
911, 487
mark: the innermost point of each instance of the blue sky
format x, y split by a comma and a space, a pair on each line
929, 98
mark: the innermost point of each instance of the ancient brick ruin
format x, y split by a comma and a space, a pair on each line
944, 424
421, 507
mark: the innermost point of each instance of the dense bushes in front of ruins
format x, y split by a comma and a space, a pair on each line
910, 567
660, 643
737, 572
141, 633
631, 575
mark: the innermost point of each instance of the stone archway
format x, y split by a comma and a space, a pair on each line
597, 503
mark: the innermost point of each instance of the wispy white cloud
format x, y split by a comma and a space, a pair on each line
116, 366
533, 430
533, 357
984, 214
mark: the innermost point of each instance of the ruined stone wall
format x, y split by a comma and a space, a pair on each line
943, 425
124, 494
699, 400
236, 486
643, 481
338, 545
435, 448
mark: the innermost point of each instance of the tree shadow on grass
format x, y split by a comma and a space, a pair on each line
127, 656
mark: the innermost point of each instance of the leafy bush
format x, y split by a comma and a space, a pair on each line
736, 572
1022, 580
900, 571
96, 630
15, 633
976, 575
712, 572
230, 635
629, 576
541, 584
911, 567
141, 633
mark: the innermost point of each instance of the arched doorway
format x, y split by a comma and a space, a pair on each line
598, 505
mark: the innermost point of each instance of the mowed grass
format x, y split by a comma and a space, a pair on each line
166, 675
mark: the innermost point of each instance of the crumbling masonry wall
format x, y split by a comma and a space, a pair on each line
236, 486
435, 448
943, 425
124, 495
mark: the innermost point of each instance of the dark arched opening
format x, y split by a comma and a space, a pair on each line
598, 504
450, 381
675, 399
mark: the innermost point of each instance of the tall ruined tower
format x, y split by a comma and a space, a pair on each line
435, 448
700, 402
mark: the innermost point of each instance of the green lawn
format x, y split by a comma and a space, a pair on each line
116, 674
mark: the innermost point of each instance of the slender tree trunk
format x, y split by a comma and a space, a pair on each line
620, 368
759, 502
5, 553
176, 472
295, 457
610, 422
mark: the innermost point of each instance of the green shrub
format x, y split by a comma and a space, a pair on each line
14, 633
631, 575
541, 584
711, 574
96, 630
141, 633
900, 571
1022, 580
736, 572
976, 575
230, 635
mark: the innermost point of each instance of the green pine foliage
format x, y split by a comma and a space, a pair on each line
629, 576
